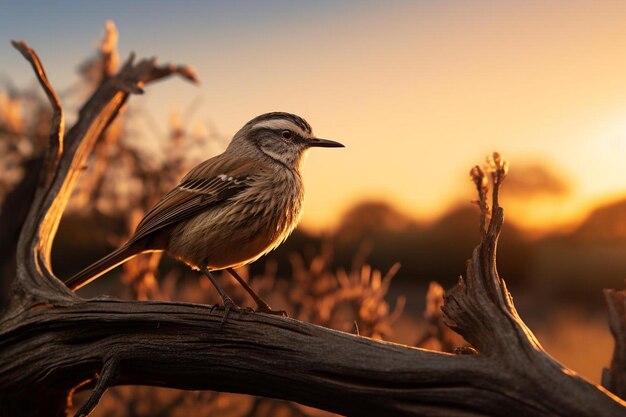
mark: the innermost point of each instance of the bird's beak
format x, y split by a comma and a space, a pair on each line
324, 143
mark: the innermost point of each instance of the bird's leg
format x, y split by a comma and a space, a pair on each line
229, 304
262, 306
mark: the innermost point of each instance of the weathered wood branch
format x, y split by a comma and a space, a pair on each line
481, 309
52, 341
24, 193
105, 379
35, 283
31, 253
182, 346
614, 377
57, 131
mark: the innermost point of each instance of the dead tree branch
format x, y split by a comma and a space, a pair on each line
35, 283
614, 378
480, 308
52, 341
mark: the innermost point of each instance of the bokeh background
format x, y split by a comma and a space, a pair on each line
418, 91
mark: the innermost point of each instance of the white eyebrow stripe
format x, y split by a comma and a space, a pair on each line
281, 124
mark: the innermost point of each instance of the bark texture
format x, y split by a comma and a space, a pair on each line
614, 377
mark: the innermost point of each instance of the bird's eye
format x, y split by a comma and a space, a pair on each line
286, 134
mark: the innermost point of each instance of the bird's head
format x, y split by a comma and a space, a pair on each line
284, 137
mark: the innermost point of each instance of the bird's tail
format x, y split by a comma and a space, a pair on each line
102, 266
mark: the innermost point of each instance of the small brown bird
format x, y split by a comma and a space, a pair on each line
229, 210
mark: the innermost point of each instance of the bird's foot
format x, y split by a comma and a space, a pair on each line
229, 305
264, 308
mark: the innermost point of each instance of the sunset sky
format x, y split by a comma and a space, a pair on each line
418, 91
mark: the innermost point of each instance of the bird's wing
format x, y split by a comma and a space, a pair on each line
208, 184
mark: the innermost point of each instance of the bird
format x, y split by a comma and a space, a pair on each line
229, 210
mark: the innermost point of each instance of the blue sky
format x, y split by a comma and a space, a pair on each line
64, 31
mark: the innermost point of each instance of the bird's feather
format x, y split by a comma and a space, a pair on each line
211, 183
